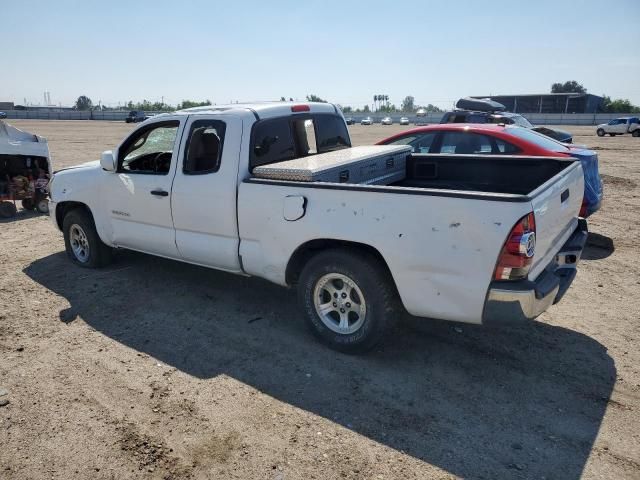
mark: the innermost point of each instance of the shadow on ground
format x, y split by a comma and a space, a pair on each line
20, 215
515, 402
597, 247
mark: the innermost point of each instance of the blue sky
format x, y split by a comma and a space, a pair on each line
344, 51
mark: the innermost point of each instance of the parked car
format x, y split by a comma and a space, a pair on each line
3, 115
387, 121
421, 112
350, 121
474, 238
472, 110
503, 140
620, 126
404, 121
136, 116
366, 121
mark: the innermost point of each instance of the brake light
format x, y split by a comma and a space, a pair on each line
300, 108
517, 253
583, 209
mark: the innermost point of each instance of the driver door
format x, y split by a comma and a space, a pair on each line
139, 194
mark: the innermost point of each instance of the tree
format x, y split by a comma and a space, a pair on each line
346, 109
618, 105
570, 86
366, 109
315, 98
408, 104
282, 99
83, 103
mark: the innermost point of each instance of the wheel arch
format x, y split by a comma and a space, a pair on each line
63, 208
307, 250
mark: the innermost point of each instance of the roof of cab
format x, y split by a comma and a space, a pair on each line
261, 110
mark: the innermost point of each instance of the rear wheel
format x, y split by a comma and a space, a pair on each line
636, 133
348, 299
81, 240
42, 205
600, 132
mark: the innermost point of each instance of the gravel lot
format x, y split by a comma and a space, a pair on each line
161, 370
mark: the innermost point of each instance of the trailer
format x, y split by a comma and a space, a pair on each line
25, 170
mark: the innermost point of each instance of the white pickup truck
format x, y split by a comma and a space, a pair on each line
620, 126
468, 238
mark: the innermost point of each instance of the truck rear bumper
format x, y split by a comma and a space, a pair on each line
526, 299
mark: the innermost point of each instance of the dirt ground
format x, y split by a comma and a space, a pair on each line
161, 370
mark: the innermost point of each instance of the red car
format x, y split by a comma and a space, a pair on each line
492, 139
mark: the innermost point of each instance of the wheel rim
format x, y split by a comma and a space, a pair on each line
79, 243
339, 303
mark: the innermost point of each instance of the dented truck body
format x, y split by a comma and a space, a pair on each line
461, 237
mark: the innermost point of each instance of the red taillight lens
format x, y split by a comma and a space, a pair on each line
300, 108
517, 253
583, 209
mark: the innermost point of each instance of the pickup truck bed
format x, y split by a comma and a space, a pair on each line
419, 222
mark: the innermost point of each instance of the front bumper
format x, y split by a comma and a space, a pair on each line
526, 299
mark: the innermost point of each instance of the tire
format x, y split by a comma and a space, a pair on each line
8, 210
42, 205
636, 133
28, 204
600, 132
81, 240
364, 295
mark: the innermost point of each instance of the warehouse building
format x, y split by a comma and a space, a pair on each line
549, 102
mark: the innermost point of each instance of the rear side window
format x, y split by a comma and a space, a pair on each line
204, 147
280, 139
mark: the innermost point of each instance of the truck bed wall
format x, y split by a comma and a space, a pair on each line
513, 175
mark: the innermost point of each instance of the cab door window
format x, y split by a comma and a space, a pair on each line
204, 147
149, 150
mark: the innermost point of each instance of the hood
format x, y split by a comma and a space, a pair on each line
92, 164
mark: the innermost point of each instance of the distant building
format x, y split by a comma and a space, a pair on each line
549, 102
6, 105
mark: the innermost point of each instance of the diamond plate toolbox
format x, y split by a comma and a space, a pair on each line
369, 165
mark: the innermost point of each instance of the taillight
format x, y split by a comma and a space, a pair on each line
583, 209
300, 108
517, 253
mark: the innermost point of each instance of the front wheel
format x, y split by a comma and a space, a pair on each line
81, 240
600, 132
348, 298
636, 133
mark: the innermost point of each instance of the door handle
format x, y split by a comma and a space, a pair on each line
564, 196
159, 193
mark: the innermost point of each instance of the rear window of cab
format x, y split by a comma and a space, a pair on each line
285, 138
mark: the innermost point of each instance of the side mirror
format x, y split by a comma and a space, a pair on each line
108, 161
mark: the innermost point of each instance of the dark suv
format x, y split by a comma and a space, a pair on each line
472, 110
136, 116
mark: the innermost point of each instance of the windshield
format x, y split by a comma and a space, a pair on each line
521, 121
538, 139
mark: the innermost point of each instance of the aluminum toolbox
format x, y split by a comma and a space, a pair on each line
371, 165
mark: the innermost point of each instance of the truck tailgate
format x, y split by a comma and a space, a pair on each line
556, 205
